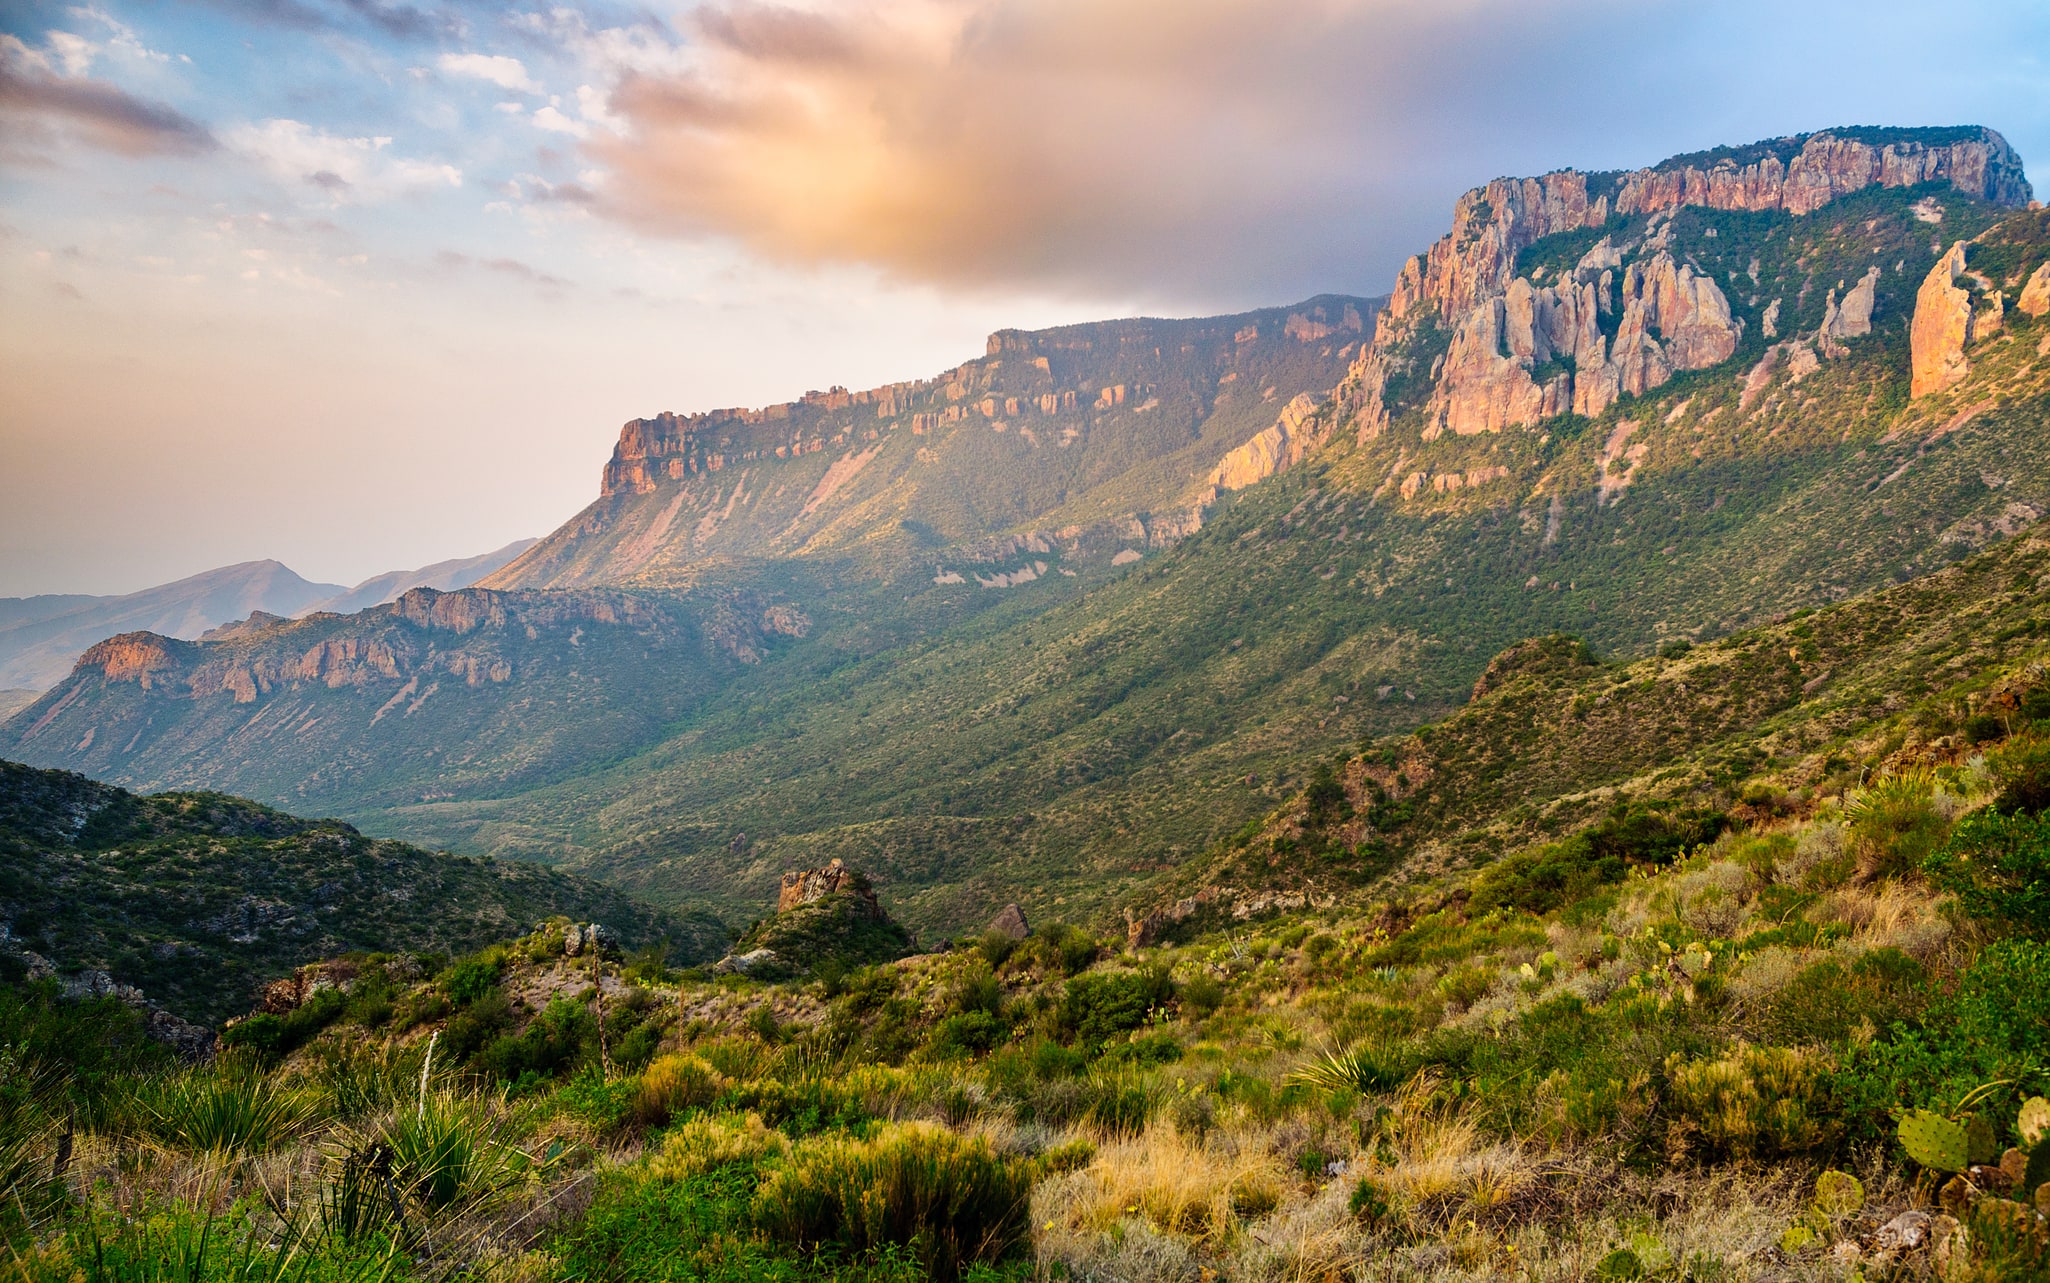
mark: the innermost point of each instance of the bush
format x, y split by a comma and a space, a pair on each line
1549, 877
1829, 1000
1998, 867
674, 1084
1099, 1006
966, 1033
706, 1144
1895, 823
472, 978
947, 1199
271, 1038
1753, 1102
2023, 772
1201, 994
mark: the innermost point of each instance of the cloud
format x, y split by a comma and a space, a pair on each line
506, 73
37, 101
452, 260
1207, 149
398, 21
344, 169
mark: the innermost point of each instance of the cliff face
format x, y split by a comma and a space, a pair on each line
1096, 435
1942, 327
1668, 318
413, 700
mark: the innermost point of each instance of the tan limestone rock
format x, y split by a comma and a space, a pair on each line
2035, 299
1941, 328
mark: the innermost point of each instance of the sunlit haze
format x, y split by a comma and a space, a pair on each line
362, 285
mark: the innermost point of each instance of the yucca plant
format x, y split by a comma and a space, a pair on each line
183, 1247
1353, 1068
450, 1153
224, 1111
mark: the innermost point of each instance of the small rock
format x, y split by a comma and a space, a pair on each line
1010, 922
1904, 1233
746, 963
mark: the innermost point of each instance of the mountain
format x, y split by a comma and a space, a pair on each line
1098, 438
41, 637
430, 696
444, 576
1643, 408
200, 898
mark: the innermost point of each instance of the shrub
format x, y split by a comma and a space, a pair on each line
705, 1144
472, 978
1096, 1007
1201, 994
1895, 823
966, 1033
1752, 1102
947, 1199
271, 1038
2023, 772
1998, 867
1830, 999
225, 1110
672, 1085
450, 1154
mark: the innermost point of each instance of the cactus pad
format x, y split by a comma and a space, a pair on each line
2034, 1121
1981, 1145
1935, 1142
1838, 1194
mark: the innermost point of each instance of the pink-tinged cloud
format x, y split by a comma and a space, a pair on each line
1094, 144
35, 102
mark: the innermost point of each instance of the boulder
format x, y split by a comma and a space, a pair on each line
1941, 328
1010, 922
2035, 299
803, 886
749, 963
1851, 318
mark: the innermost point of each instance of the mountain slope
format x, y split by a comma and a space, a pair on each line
1109, 435
1059, 740
443, 576
199, 898
433, 694
41, 637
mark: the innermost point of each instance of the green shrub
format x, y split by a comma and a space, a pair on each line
674, 1084
947, 1199
562, 1037
1201, 994
451, 1154
473, 977
1752, 1102
2022, 770
1894, 824
1101, 1005
224, 1110
271, 1038
966, 1033
1998, 867
1830, 999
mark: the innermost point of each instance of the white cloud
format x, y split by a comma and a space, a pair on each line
506, 73
554, 121
345, 169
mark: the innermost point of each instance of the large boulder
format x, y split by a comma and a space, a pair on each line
1942, 327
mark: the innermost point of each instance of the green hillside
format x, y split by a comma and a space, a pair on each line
198, 899
1065, 741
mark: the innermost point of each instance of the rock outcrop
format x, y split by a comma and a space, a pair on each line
1270, 450
1942, 326
2035, 299
1464, 280
1673, 319
1010, 923
1850, 319
805, 886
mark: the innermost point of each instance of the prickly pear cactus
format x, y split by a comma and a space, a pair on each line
2034, 1121
1981, 1145
1935, 1142
1838, 1194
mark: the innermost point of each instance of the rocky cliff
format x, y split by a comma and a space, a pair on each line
1101, 432
1628, 313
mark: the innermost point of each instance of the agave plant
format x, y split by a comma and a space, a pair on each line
1351, 1068
450, 1153
224, 1111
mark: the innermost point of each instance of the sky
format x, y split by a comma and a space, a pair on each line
366, 284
